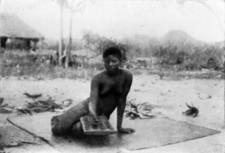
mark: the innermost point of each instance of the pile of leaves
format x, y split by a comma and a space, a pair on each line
5, 108
39, 106
142, 110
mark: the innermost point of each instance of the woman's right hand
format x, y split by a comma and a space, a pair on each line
95, 117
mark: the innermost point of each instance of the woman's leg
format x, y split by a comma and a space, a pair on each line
77, 129
61, 124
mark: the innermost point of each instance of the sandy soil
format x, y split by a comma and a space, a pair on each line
168, 95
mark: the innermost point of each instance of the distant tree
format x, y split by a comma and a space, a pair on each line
64, 54
73, 7
99, 43
62, 4
1, 5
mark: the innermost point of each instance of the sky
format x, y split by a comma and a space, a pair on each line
202, 19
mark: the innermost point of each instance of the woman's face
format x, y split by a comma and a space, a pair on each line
112, 63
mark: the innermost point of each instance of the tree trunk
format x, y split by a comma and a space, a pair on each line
1, 6
224, 83
69, 46
60, 50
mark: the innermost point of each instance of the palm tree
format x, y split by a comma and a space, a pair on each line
1, 5
59, 54
60, 50
65, 54
77, 7
69, 45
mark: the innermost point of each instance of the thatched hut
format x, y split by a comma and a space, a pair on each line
13, 29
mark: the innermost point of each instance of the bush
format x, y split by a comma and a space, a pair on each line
14, 63
194, 59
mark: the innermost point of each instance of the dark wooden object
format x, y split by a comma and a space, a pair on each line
93, 127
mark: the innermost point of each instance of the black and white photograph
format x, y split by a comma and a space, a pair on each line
112, 76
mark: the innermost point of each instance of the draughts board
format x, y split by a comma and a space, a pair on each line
101, 127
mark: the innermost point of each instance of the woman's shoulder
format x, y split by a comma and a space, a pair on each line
127, 73
99, 76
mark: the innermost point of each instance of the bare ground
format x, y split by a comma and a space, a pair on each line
169, 97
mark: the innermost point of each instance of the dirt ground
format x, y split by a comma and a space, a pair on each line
167, 95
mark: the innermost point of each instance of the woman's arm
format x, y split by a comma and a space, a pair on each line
122, 104
94, 97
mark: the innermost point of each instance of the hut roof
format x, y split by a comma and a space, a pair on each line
13, 27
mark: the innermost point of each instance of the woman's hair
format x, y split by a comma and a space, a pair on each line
112, 51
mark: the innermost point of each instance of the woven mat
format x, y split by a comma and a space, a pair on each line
149, 133
11, 136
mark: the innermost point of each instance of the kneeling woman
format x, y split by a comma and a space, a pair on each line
109, 91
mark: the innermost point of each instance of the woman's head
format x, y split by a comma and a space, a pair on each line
112, 57
115, 51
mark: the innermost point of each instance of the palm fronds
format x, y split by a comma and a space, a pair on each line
39, 106
191, 111
142, 110
5, 108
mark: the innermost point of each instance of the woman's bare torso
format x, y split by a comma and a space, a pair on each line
111, 89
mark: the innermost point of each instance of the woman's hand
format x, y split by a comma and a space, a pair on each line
126, 130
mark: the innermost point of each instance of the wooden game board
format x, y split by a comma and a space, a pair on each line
101, 127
